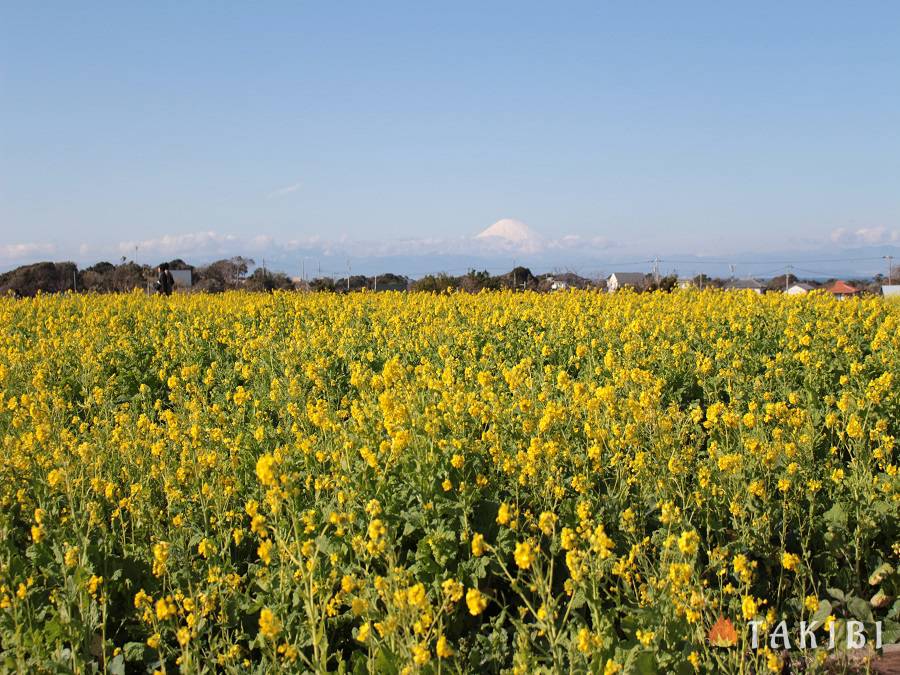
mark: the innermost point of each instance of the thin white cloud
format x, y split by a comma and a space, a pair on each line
211, 243
281, 192
864, 236
25, 251
204, 246
204, 243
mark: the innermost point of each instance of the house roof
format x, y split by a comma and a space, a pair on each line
741, 284
628, 277
804, 286
842, 288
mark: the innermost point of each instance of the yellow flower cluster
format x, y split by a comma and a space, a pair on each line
526, 482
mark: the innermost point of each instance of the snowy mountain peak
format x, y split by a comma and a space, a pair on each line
510, 230
511, 236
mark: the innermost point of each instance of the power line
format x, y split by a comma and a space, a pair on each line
766, 262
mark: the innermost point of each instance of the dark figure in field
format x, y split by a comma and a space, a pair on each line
166, 282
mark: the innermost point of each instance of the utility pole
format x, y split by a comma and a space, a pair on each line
731, 267
890, 260
303, 269
376, 283
656, 271
787, 275
348, 275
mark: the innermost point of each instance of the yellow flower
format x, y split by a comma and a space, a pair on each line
546, 522
265, 551
477, 544
183, 635
524, 555
265, 469
790, 561
749, 608
37, 533
93, 584
160, 558
688, 542
165, 609
611, 668
362, 635
854, 428
475, 601
269, 625
376, 530
443, 649
141, 599
416, 596
453, 590
503, 514
645, 637
421, 654
743, 568
584, 642
289, 652
205, 548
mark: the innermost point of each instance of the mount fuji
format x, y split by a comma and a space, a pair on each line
511, 234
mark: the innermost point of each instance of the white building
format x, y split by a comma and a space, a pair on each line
183, 278
892, 291
619, 280
800, 289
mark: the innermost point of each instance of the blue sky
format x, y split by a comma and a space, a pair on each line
641, 128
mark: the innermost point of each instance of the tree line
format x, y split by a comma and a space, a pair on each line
235, 274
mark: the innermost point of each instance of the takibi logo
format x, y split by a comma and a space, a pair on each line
723, 634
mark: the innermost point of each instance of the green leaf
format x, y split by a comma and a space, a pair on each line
822, 612
386, 661
860, 609
836, 517
117, 665
639, 661
890, 632
133, 651
836, 593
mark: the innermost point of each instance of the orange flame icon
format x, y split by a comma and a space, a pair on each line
722, 633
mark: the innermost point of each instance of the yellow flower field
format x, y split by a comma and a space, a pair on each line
575, 482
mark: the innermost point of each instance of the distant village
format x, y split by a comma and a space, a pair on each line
235, 274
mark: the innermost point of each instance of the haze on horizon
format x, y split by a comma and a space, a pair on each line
406, 129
